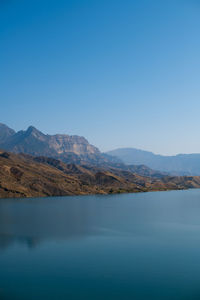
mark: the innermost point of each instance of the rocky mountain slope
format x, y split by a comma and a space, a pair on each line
181, 164
23, 175
34, 142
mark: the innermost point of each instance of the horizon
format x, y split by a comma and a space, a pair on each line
121, 74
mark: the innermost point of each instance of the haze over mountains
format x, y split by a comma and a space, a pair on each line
76, 149
70, 149
36, 164
181, 164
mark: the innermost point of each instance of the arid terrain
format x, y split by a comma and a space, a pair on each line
23, 175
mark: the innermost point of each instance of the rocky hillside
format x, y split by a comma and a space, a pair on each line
23, 175
34, 142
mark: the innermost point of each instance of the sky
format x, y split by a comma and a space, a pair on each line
122, 73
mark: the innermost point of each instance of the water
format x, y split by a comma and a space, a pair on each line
130, 246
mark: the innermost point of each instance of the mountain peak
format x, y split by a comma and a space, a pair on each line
31, 130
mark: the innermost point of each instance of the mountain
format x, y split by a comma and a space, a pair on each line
23, 175
5, 132
181, 164
70, 149
35, 142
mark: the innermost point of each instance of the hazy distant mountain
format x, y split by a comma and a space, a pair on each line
181, 164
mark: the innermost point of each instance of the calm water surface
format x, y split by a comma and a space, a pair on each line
131, 246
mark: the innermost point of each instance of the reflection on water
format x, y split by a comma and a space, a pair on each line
134, 246
31, 221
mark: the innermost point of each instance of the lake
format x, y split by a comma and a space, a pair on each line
128, 246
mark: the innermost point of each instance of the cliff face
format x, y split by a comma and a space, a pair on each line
76, 144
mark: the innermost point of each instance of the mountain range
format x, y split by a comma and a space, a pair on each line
76, 149
181, 164
36, 164
69, 149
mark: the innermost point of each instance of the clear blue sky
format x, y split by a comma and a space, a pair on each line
122, 73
